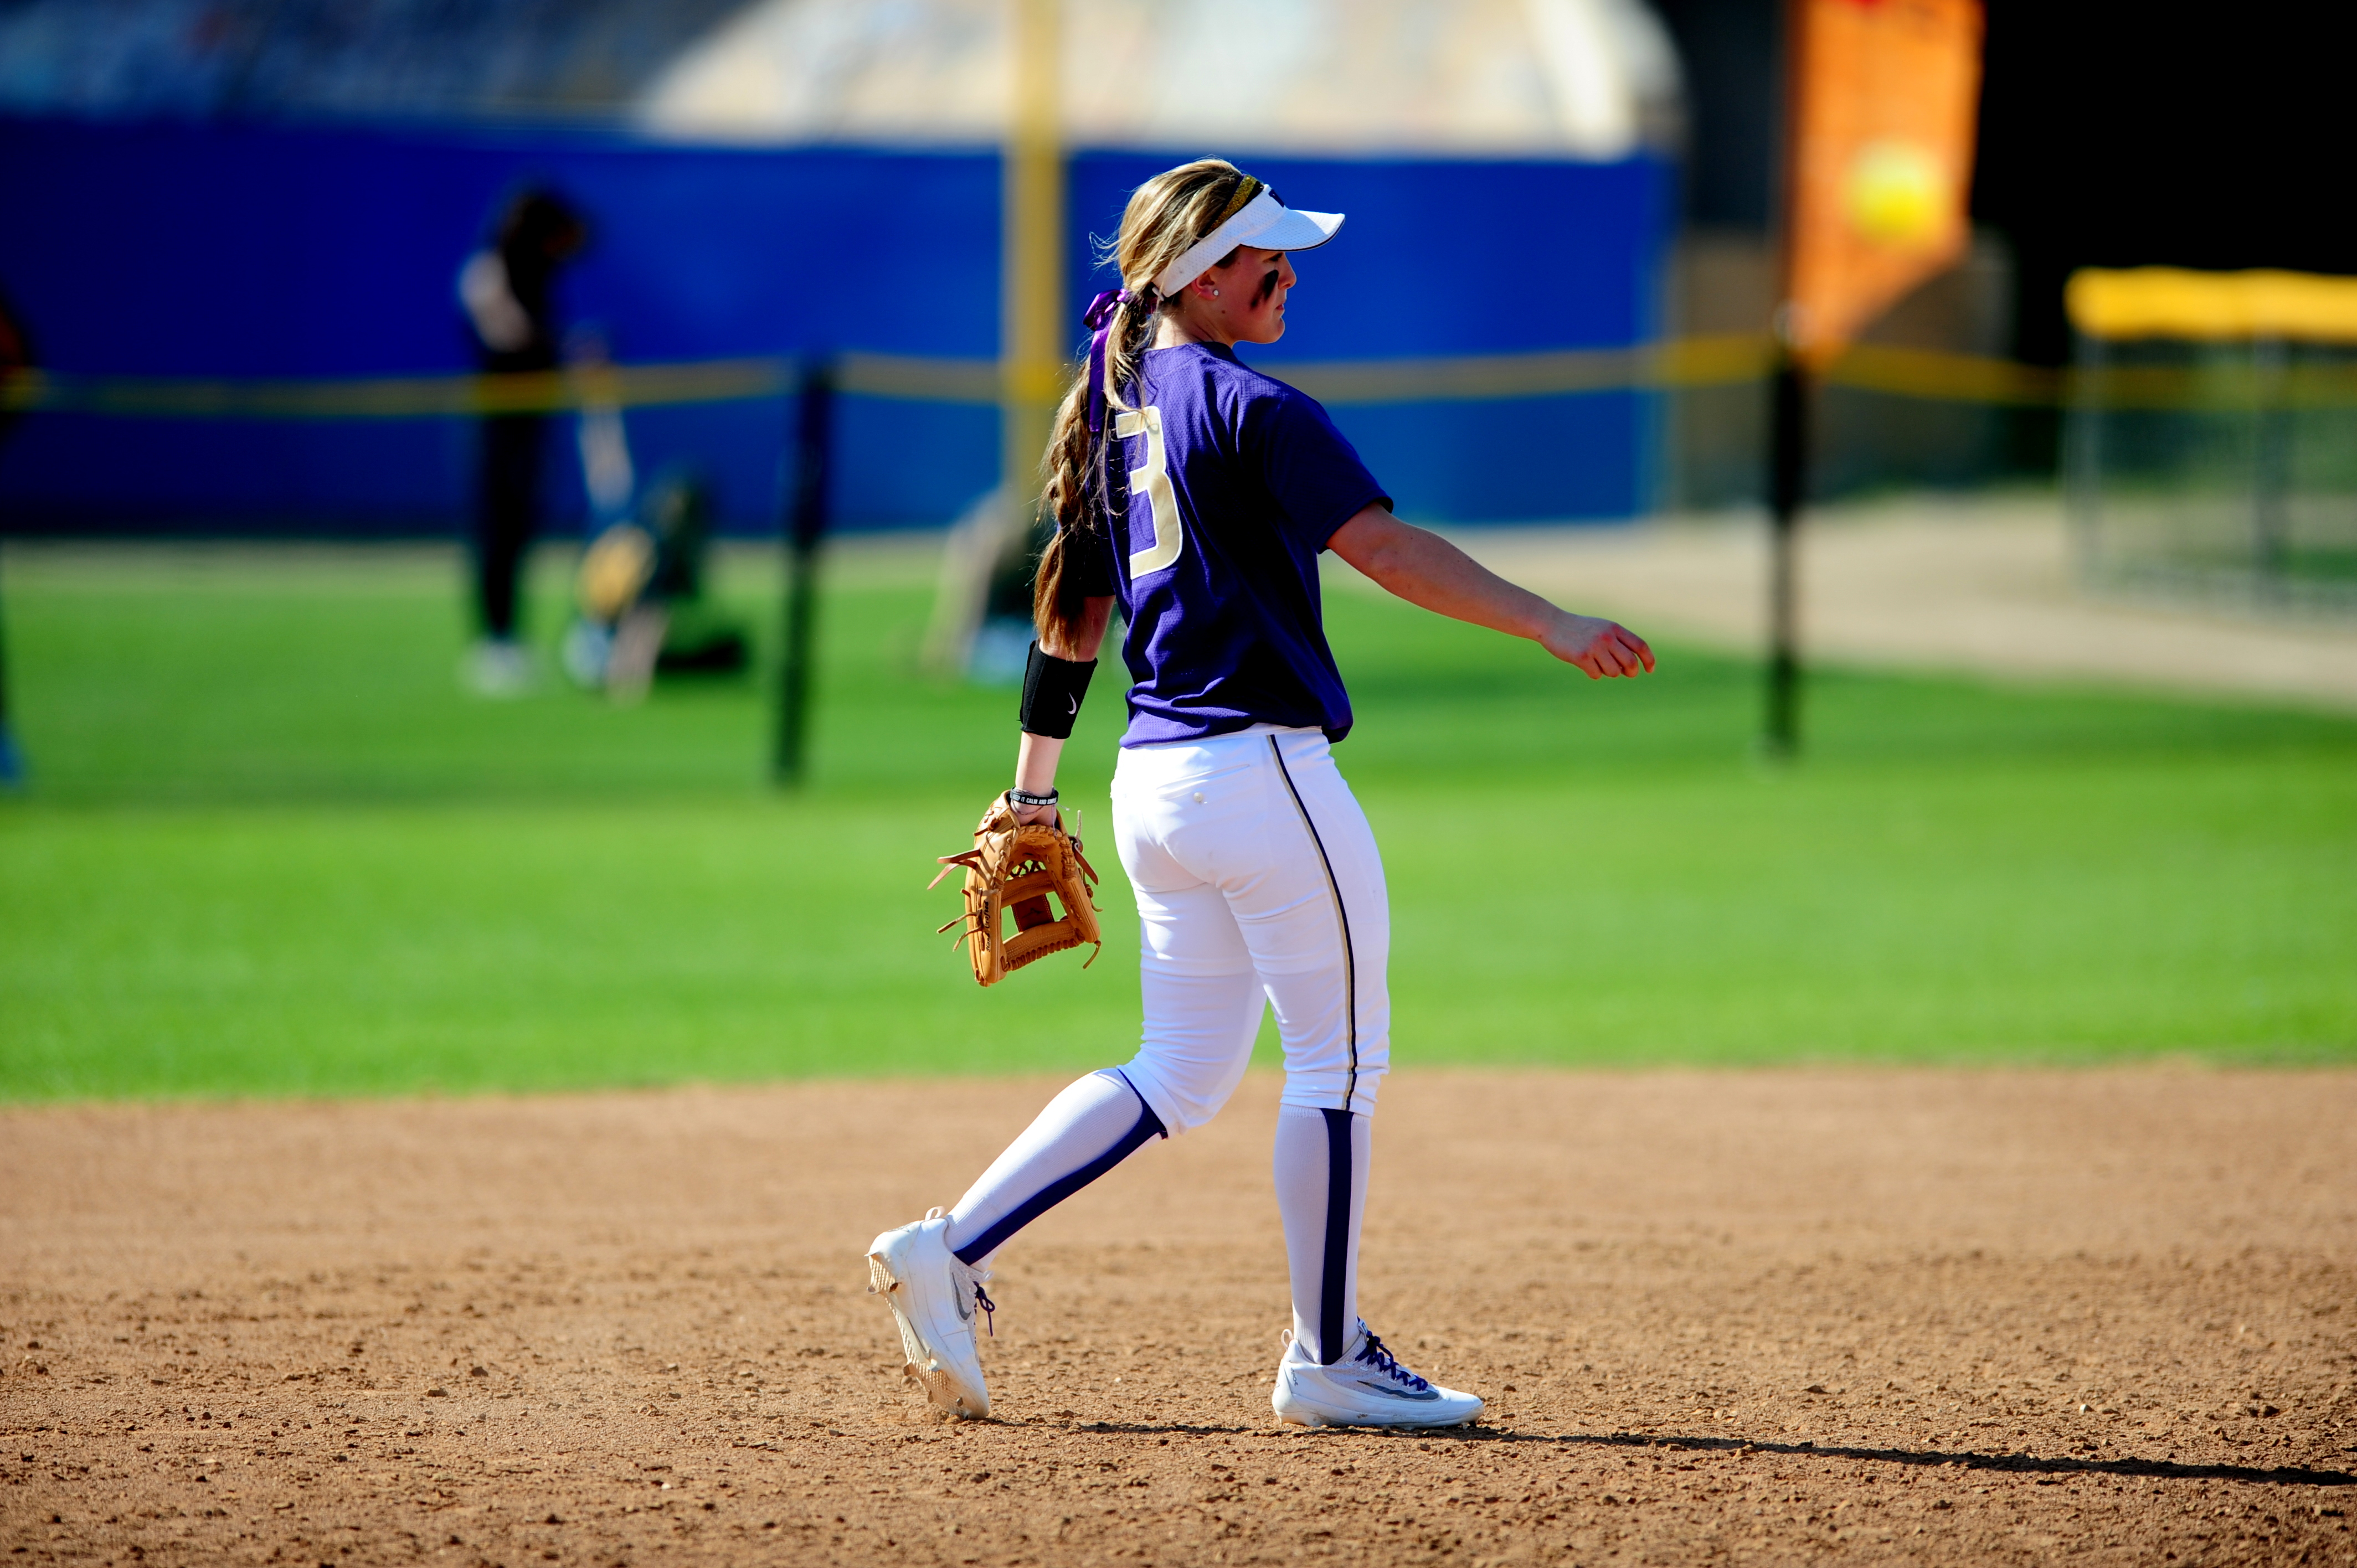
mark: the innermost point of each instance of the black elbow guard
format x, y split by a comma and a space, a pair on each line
1052, 689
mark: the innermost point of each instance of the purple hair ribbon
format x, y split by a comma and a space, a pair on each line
1098, 319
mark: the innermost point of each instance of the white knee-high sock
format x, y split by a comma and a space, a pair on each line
1086, 1131
1321, 1191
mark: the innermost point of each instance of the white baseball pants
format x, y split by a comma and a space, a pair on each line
1256, 878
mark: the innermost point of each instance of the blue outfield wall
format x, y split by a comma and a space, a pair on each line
227, 252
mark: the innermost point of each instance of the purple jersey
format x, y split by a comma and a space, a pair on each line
1224, 487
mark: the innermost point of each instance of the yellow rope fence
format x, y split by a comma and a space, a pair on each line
1676, 365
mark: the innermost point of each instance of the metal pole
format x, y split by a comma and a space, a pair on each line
1788, 484
1032, 323
805, 526
2270, 473
2083, 456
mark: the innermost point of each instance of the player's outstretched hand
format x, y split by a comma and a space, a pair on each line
1602, 648
1424, 569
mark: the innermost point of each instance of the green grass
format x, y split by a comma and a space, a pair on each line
271, 849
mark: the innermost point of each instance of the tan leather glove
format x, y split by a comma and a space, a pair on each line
1015, 869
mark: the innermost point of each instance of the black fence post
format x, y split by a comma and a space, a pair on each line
805, 525
1788, 485
16, 360
12, 761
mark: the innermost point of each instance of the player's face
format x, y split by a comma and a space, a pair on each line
1251, 303
1241, 301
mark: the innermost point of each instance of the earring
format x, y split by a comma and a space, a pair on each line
1215, 294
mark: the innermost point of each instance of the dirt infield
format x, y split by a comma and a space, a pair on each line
1866, 1316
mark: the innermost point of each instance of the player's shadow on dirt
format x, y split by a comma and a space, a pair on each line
2160, 1469
2157, 1469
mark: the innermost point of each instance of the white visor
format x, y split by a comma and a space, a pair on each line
1264, 223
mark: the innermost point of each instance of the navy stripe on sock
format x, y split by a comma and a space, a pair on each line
1331, 1330
1148, 1125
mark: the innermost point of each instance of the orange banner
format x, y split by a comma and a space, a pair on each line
1884, 94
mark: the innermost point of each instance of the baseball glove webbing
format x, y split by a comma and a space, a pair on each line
1014, 868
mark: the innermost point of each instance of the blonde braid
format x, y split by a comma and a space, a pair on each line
1166, 217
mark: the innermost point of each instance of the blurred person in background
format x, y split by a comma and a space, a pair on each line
642, 605
506, 290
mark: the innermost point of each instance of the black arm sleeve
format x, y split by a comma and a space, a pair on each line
1052, 689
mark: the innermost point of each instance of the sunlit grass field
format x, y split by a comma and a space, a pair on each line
271, 848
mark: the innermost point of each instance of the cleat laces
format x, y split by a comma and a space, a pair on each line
1374, 1353
974, 1276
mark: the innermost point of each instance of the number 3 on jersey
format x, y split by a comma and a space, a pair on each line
1153, 482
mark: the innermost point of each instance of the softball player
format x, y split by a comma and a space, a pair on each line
1198, 493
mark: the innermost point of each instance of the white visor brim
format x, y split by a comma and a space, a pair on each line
1266, 223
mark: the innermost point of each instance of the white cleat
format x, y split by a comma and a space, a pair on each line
1364, 1388
933, 1297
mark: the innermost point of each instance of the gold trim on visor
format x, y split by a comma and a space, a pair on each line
1236, 203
